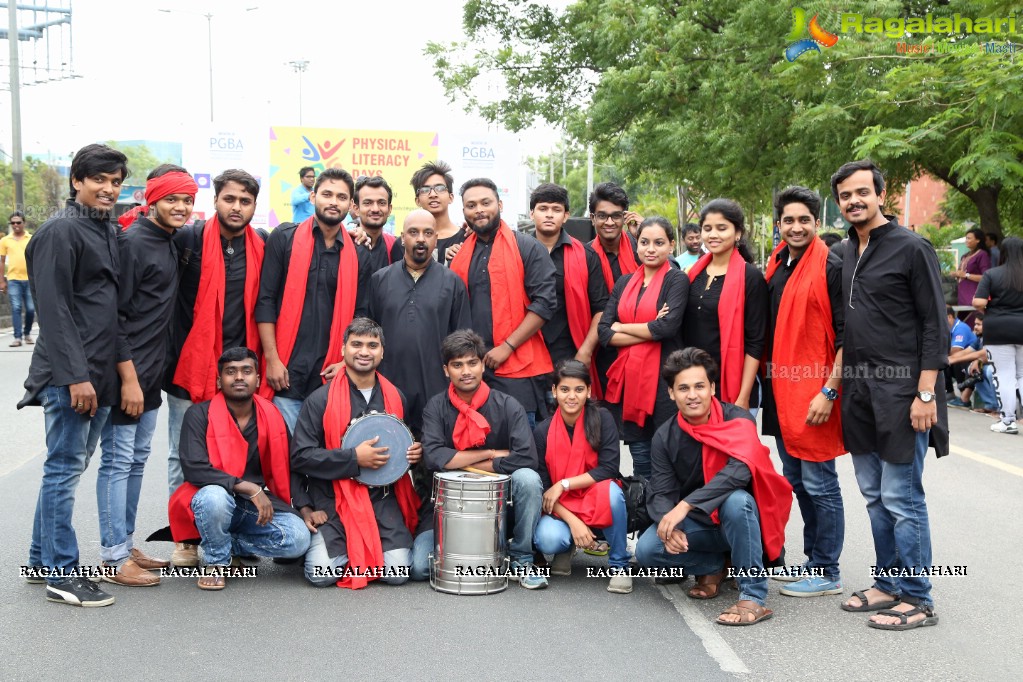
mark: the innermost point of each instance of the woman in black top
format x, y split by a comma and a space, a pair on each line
1000, 297
723, 229
645, 333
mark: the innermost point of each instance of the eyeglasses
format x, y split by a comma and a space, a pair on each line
617, 216
439, 189
16, 222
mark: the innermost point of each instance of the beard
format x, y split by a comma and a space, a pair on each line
223, 218
329, 221
489, 229
420, 257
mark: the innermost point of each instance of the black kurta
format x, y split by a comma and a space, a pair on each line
539, 284
378, 257
674, 292
775, 287
313, 339
444, 243
608, 456
197, 470
321, 467
677, 472
416, 317
72, 268
702, 327
556, 332
895, 326
188, 241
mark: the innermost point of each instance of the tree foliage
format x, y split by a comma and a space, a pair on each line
44, 190
141, 160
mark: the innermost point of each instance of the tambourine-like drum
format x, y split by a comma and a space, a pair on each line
469, 531
394, 436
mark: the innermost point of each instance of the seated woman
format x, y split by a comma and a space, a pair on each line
578, 452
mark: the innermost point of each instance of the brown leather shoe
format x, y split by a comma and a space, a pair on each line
185, 555
131, 574
147, 562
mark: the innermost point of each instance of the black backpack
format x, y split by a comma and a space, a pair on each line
634, 488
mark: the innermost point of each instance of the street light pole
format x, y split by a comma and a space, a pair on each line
17, 170
209, 48
299, 66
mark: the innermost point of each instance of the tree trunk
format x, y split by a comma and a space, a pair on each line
986, 200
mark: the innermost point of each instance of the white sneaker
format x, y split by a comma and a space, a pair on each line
1002, 427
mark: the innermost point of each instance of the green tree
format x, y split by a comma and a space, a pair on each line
44, 190
141, 160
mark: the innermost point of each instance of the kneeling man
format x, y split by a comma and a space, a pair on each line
366, 533
237, 491
713, 492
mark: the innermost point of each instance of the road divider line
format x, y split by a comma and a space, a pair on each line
984, 459
712, 641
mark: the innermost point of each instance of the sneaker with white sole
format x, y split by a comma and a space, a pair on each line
621, 583
528, 575
1002, 427
78, 592
815, 586
789, 574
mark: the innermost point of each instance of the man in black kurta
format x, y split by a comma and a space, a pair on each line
418, 302
895, 347
372, 204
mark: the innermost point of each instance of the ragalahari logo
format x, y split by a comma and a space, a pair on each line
818, 36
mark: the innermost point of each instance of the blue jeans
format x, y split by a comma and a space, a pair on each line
526, 497
640, 452
21, 297
125, 449
898, 520
68, 436
553, 536
289, 409
738, 533
820, 504
396, 564
225, 521
175, 415
985, 388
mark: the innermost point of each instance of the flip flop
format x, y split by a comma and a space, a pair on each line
220, 582
867, 606
930, 618
599, 548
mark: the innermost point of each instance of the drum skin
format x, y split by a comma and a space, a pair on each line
394, 436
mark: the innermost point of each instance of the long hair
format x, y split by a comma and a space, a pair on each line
573, 369
732, 212
1011, 256
979, 235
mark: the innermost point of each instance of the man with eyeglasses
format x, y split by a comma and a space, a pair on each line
434, 188
15, 282
301, 204
372, 206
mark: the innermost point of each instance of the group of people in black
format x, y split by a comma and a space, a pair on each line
528, 356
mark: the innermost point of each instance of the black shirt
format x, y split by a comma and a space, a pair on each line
1003, 317
197, 470
677, 472
702, 328
147, 287
380, 256
444, 243
73, 267
321, 466
188, 241
556, 332
416, 317
608, 455
313, 338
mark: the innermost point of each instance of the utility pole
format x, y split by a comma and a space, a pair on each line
17, 169
299, 66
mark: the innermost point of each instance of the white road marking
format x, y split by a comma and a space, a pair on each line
712, 641
984, 459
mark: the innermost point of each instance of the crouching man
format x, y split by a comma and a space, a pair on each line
713, 492
236, 497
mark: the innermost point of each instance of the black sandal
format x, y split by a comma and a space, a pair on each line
867, 606
929, 619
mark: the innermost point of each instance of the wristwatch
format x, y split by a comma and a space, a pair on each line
829, 393
925, 396
564, 483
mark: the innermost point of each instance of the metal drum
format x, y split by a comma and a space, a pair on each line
469, 529
394, 436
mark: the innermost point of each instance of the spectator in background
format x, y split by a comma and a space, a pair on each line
972, 266
1000, 296
979, 373
15, 281
831, 238
992, 239
693, 241
962, 338
301, 203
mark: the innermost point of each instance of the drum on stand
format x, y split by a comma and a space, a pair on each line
394, 436
469, 554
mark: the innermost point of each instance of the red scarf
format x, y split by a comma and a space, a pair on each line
197, 365
389, 240
295, 293
641, 363
567, 457
577, 303
471, 427
365, 553
804, 337
738, 438
626, 259
508, 301
731, 316
157, 188
229, 452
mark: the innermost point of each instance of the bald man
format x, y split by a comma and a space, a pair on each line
418, 302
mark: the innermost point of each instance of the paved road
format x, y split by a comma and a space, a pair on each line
278, 626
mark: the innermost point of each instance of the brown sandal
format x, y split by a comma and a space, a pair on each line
744, 608
707, 586
216, 573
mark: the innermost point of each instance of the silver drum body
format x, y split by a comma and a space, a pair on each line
469, 530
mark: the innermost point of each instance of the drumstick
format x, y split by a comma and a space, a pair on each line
474, 470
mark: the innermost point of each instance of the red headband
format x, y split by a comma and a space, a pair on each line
174, 182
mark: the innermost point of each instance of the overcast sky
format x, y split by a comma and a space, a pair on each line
144, 73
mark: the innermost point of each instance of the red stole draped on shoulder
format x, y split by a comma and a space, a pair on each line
389, 240
639, 364
365, 553
567, 457
577, 303
197, 365
626, 259
471, 427
229, 452
731, 319
295, 292
508, 301
738, 438
804, 337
